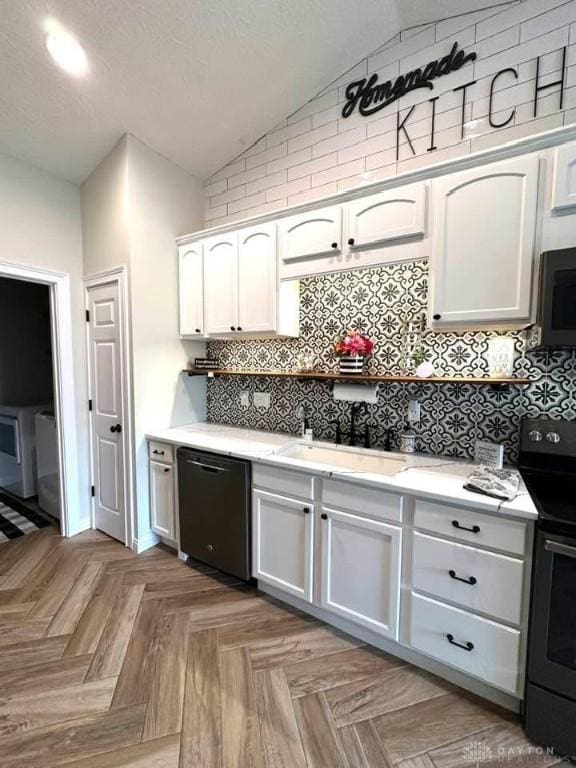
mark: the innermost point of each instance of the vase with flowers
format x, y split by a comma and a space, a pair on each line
353, 348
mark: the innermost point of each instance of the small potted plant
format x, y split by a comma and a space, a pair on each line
353, 348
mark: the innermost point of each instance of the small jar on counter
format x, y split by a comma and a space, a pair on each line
407, 441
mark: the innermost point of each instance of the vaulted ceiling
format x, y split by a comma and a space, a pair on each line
197, 80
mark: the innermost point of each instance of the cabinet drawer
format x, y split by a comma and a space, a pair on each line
283, 481
367, 501
470, 526
473, 578
494, 649
163, 452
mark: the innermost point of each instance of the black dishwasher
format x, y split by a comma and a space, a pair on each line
214, 510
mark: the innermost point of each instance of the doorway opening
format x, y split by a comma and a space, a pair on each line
29, 454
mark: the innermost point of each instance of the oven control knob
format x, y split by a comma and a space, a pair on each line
535, 436
553, 437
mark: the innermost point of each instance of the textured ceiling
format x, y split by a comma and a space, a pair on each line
197, 80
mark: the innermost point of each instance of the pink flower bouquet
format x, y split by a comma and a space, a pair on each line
354, 344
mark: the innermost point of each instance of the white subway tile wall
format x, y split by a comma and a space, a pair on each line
315, 152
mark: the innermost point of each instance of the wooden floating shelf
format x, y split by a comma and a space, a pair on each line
328, 376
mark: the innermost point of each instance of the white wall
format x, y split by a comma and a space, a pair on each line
25, 343
315, 152
134, 206
40, 227
105, 238
164, 201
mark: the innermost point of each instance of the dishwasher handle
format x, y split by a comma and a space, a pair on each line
207, 467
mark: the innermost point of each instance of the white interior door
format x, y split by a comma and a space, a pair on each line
107, 417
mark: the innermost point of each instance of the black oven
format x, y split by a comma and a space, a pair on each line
557, 299
548, 466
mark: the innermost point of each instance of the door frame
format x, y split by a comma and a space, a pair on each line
118, 275
65, 400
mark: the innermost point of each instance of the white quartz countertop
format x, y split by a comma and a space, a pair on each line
436, 477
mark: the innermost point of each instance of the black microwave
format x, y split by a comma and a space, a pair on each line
557, 299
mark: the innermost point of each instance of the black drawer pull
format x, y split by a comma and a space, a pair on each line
436, 317
324, 516
166, 469
351, 241
232, 328
334, 245
465, 646
306, 510
474, 529
472, 580
158, 453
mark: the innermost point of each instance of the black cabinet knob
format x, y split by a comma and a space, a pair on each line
334, 245
239, 328
436, 317
232, 328
350, 241
166, 469
198, 330
306, 510
116, 428
324, 516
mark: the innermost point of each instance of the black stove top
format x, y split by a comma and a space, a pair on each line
548, 466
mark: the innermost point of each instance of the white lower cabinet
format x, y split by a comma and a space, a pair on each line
482, 581
472, 644
283, 538
442, 591
361, 570
162, 499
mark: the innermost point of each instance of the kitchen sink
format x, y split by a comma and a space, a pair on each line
341, 457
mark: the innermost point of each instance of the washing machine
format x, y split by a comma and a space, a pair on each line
47, 463
18, 447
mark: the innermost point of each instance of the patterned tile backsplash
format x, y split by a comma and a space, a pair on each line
381, 302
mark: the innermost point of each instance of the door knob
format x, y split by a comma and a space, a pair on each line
116, 428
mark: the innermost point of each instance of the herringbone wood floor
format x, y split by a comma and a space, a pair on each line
111, 660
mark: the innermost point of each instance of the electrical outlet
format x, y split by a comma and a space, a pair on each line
245, 399
413, 411
262, 400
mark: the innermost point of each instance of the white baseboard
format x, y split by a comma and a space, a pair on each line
146, 541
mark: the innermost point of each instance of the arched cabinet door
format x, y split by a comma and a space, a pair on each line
257, 288
191, 282
483, 248
309, 239
564, 182
395, 214
221, 283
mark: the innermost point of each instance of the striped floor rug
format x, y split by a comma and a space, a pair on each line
16, 519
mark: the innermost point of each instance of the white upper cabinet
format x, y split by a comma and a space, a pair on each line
391, 215
483, 249
221, 283
564, 181
191, 284
257, 279
315, 234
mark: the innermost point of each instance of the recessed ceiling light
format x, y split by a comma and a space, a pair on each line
65, 49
